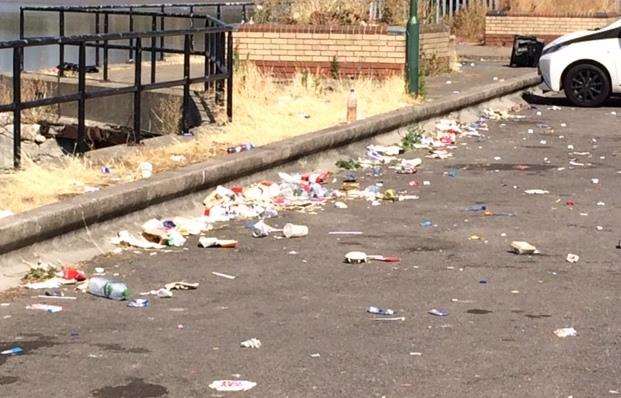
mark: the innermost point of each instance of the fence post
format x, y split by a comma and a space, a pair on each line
219, 64
97, 43
17, 110
61, 31
413, 45
138, 87
229, 81
105, 50
212, 51
207, 63
186, 85
162, 28
153, 45
22, 28
81, 143
131, 30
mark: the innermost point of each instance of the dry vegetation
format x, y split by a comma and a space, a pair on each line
560, 7
31, 90
265, 111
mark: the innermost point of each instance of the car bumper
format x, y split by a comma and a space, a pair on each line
546, 71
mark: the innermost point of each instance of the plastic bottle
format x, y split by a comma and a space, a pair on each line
352, 106
104, 287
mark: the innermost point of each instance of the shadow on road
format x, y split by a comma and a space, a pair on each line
534, 99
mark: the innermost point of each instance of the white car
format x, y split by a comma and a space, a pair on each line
586, 65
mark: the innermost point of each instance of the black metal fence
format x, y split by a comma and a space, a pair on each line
217, 51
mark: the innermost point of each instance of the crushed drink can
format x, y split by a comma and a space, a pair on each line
138, 303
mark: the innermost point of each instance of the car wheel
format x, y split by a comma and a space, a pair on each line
586, 85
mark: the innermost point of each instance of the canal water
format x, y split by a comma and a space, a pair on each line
46, 24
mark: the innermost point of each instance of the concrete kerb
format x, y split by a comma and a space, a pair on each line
49, 221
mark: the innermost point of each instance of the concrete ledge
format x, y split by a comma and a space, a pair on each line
56, 219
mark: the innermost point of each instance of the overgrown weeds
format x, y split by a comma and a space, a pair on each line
469, 23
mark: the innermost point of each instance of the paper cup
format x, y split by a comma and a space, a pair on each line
295, 231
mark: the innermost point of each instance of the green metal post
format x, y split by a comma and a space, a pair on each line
413, 45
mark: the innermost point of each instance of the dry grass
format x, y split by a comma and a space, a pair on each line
265, 111
560, 7
469, 24
31, 90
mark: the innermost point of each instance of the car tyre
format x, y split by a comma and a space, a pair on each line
586, 85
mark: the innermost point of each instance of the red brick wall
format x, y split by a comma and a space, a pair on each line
358, 50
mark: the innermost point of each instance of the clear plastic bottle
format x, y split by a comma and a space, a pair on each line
104, 287
352, 106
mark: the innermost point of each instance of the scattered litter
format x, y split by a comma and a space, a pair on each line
181, 286
45, 296
223, 275
108, 288
294, 231
519, 247
345, 233
416, 354
261, 230
241, 148
45, 307
572, 258
145, 169
6, 213
426, 223
127, 239
438, 312
380, 311
251, 343
138, 303
361, 257
536, 191
13, 351
232, 385
595, 180
340, 205
215, 242
566, 332
315, 355
54, 283
71, 273
476, 208
398, 318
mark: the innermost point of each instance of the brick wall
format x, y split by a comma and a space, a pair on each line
371, 50
500, 29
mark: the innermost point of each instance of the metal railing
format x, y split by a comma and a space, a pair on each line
103, 15
436, 10
217, 51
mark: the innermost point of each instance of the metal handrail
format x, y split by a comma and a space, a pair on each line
151, 5
49, 40
218, 54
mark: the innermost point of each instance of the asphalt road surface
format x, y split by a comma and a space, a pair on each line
309, 308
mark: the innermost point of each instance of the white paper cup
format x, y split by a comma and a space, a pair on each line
295, 231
